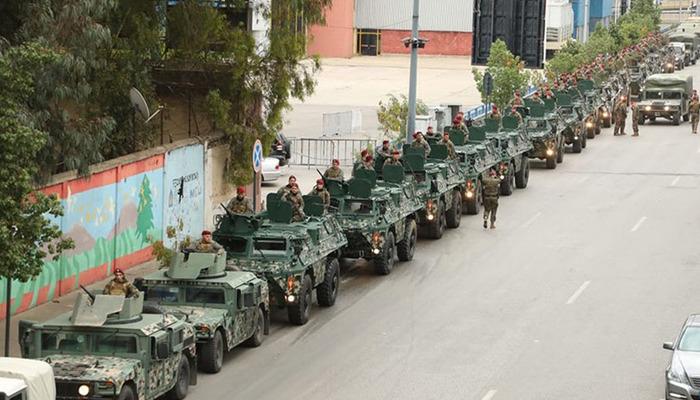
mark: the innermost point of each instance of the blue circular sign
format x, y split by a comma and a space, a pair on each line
257, 156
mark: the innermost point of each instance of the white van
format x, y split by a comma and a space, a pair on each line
23, 379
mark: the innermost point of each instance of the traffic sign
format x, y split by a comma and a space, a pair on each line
257, 156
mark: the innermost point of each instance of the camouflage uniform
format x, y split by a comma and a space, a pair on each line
635, 119
201, 246
518, 101
451, 153
620, 117
384, 152
694, 110
517, 116
491, 191
124, 288
284, 190
421, 144
297, 202
334, 173
368, 165
323, 194
239, 205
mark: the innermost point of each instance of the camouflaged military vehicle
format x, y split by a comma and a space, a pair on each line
666, 96
294, 257
106, 348
572, 117
378, 217
594, 101
439, 185
543, 128
226, 308
512, 140
476, 156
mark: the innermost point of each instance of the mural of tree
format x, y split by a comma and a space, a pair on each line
144, 219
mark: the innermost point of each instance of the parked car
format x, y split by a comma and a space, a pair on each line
281, 149
272, 169
683, 371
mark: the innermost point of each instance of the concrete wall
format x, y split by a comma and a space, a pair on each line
435, 15
440, 43
337, 37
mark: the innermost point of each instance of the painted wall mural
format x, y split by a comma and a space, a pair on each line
184, 202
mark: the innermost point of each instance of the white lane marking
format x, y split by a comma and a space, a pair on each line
638, 224
578, 292
532, 219
675, 181
489, 395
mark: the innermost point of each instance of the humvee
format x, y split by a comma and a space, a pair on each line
106, 348
513, 142
666, 96
226, 308
294, 257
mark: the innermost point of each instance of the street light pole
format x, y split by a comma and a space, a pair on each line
412, 86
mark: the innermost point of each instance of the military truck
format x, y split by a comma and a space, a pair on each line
294, 257
439, 184
476, 156
378, 217
572, 117
666, 96
24, 379
106, 348
514, 144
691, 44
226, 308
680, 58
543, 126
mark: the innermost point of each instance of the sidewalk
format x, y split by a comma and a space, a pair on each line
63, 304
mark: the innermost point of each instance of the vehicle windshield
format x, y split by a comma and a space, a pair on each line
357, 206
657, 95
192, 295
163, 294
690, 341
72, 342
270, 247
205, 295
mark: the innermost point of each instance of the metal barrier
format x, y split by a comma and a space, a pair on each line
320, 151
483, 109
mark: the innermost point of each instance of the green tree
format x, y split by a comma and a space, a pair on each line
393, 115
508, 73
144, 219
26, 235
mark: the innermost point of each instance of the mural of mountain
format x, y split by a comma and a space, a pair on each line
82, 238
127, 219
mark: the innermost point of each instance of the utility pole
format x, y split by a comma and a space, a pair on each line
412, 86
586, 19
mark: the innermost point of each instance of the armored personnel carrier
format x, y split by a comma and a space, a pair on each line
594, 100
226, 308
572, 116
106, 348
378, 217
294, 257
543, 128
513, 142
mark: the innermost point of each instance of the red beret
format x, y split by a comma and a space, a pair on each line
118, 271
385, 142
415, 135
319, 181
395, 152
206, 232
336, 161
240, 190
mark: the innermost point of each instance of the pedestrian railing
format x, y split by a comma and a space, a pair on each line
321, 151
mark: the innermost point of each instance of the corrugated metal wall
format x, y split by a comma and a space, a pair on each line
435, 15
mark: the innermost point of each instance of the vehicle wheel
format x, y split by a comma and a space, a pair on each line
607, 123
509, 182
677, 118
590, 133
652, 119
256, 339
577, 146
522, 177
560, 154
473, 206
385, 263
327, 291
127, 393
299, 313
584, 141
437, 228
551, 162
182, 383
211, 354
454, 214
597, 129
686, 117
407, 247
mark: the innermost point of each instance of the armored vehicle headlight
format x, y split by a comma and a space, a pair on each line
550, 152
589, 124
669, 65
605, 114
647, 108
376, 251
470, 194
666, 108
83, 390
291, 298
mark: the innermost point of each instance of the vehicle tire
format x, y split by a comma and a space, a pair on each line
407, 247
182, 381
596, 131
576, 146
299, 313
508, 183
590, 133
473, 206
652, 119
686, 117
385, 263
522, 177
256, 339
551, 162
607, 123
437, 229
327, 291
454, 214
677, 118
211, 354
584, 141
127, 393
560, 154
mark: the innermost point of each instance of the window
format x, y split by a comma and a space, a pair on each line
205, 295
369, 42
690, 341
672, 95
112, 343
357, 206
653, 95
233, 244
65, 342
163, 294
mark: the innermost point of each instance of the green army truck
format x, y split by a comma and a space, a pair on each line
572, 117
512, 140
666, 96
294, 257
439, 184
691, 44
226, 308
378, 217
476, 157
106, 348
544, 128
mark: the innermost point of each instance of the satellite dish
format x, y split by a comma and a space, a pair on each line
139, 103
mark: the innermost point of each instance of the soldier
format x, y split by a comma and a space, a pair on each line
321, 191
292, 180
695, 94
395, 158
620, 112
419, 142
385, 150
635, 118
694, 109
518, 100
536, 97
367, 163
334, 171
206, 244
294, 198
451, 153
458, 125
430, 132
491, 190
120, 286
495, 114
548, 94
515, 114
239, 204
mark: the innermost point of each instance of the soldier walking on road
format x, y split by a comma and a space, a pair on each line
239, 204
491, 190
694, 110
321, 191
120, 286
635, 118
620, 112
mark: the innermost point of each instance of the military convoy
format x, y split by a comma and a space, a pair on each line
511, 140
666, 96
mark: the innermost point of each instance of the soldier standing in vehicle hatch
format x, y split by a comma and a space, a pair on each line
294, 198
419, 142
694, 109
206, 244
451, 153
239, 204
120, 286
491, 191
321, 191
334, 171
395, 158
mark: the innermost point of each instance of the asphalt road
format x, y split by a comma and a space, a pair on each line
591, 268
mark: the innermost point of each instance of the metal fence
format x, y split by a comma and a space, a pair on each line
320, 151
